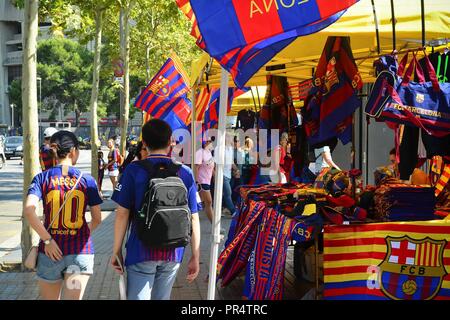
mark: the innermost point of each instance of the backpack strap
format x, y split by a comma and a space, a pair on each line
160, 170
147, 166
174, 167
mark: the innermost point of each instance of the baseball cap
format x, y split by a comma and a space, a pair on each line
65, 140
49, 132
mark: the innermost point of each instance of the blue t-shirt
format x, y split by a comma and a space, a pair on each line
69, 230
130, 193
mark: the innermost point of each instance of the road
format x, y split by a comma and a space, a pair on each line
11, 193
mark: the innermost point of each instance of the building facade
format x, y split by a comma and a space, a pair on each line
10, 55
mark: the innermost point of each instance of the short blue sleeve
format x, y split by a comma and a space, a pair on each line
94, 198
124, 193
35, 187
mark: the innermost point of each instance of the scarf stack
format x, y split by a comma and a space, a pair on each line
402, 202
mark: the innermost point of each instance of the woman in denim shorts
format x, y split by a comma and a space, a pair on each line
66, 251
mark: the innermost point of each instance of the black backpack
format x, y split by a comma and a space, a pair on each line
164, 220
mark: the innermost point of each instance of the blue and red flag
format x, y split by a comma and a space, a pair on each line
382, 261
207, 106
166, 96
244, 60
229, 24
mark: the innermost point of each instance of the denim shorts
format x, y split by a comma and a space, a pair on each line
204, 187
53, 271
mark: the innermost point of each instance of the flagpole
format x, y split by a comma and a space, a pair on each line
193, 130
220, 156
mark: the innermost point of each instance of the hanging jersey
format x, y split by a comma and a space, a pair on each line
69, 230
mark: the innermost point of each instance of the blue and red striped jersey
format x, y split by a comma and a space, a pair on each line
46, 157
113, 155
69, 230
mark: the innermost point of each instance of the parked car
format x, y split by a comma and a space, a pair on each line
85, 144
13, 147
2, 151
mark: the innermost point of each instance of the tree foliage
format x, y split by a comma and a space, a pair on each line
65, 67
157, 28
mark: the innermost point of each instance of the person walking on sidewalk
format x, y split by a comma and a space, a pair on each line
228, 168
101, 171
46, 157
66, 251
151, 271
204, 163
113, 163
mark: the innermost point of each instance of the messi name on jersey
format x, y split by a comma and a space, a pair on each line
58, 181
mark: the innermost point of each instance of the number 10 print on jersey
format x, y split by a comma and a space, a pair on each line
69, 229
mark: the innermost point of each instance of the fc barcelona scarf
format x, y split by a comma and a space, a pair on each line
265, 270
235, 256
263, 256
333, 98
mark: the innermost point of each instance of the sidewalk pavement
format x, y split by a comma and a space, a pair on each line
103, 285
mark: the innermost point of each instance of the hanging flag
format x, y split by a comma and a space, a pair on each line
166, 96
146, 117
278, 111
333, 98
244, 61
230, 24
207, 107
380, 261
186, 8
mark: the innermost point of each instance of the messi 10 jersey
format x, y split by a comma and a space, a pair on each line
70, 229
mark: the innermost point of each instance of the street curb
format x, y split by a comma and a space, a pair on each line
10, 267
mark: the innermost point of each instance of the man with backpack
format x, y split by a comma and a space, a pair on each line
157, 200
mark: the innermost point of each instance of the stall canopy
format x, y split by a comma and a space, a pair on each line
301, 56
298, 60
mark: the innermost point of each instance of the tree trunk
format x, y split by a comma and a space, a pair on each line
125, 53
77, 115
147, 63
94, 95
30, 111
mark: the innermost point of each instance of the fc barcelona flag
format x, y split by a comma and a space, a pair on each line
166, 96
399, 261
207, 104
244, 61
229, 24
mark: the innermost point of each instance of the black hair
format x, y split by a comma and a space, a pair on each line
62, 143
138, 149
392, 152
156, 134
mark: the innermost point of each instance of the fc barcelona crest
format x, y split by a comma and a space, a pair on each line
412, 269
161, 87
